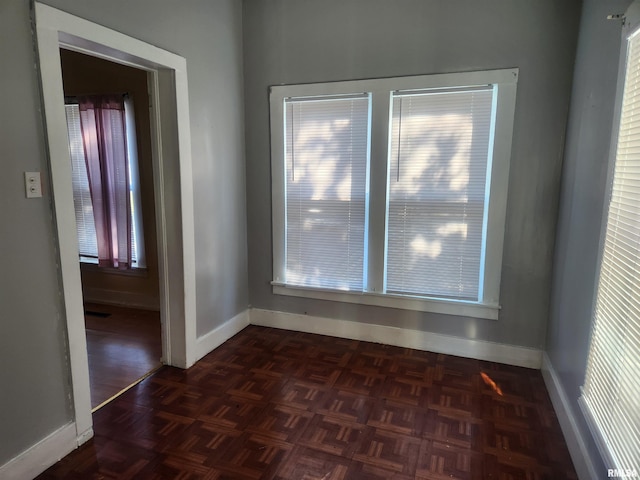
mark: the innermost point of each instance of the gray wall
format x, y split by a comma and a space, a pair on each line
582, 201
34, 378
298, 41
209, 35
293, 41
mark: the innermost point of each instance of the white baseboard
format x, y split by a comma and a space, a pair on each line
84, 437
120, 298
419, 340
36, 459
216, 337
562, 406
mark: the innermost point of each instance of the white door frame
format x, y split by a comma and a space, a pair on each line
173, 184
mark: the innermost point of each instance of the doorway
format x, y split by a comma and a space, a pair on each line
172, 179
121, 306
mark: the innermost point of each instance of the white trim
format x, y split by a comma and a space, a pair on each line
36, 459
420, 304
596, 432
52, 93
176, 245
389, 84
121, 298
216, 337
572, 435
401, 337
504, 84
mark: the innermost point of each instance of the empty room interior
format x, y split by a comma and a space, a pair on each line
353, 239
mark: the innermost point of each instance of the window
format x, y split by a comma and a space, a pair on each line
610, 397
326, 178
392, 191
87, 243
85, 220
436, 193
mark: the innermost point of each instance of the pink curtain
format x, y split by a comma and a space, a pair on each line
102, 120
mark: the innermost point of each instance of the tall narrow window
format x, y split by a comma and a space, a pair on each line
85, 224
101, 134
326, 151
610, 393
437, 192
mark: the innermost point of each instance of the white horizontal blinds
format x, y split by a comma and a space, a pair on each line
437, 191
81, 195
326, 150
138, 256
612, 383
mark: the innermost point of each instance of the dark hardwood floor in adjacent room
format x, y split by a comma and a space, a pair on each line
274, 404
123, 345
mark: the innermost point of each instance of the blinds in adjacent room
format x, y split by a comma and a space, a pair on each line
83, 205
326, 154
87, 243
612, 382
438, 191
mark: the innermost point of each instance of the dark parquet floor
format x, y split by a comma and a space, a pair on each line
274, 404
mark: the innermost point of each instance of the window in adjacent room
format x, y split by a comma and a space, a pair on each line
393, 191
106, 192
610, 397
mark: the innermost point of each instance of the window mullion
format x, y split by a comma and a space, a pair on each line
377, 198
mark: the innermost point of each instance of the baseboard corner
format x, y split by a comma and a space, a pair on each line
216, 337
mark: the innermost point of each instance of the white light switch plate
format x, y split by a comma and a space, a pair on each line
32, 184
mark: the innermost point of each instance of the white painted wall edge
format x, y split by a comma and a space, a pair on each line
37, 458
562, 406
121, 299
216, 337
416, 339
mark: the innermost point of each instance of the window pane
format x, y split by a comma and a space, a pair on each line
81, 195
437, 195
138, 256
612, 382
85, 224
326, 181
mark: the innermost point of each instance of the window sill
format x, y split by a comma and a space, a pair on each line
420, 304
93, 267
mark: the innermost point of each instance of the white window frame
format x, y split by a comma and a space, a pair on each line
504, 83
592, 404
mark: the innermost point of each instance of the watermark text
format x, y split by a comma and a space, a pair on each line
622, 473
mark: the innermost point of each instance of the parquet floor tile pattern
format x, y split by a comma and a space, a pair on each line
274, 404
